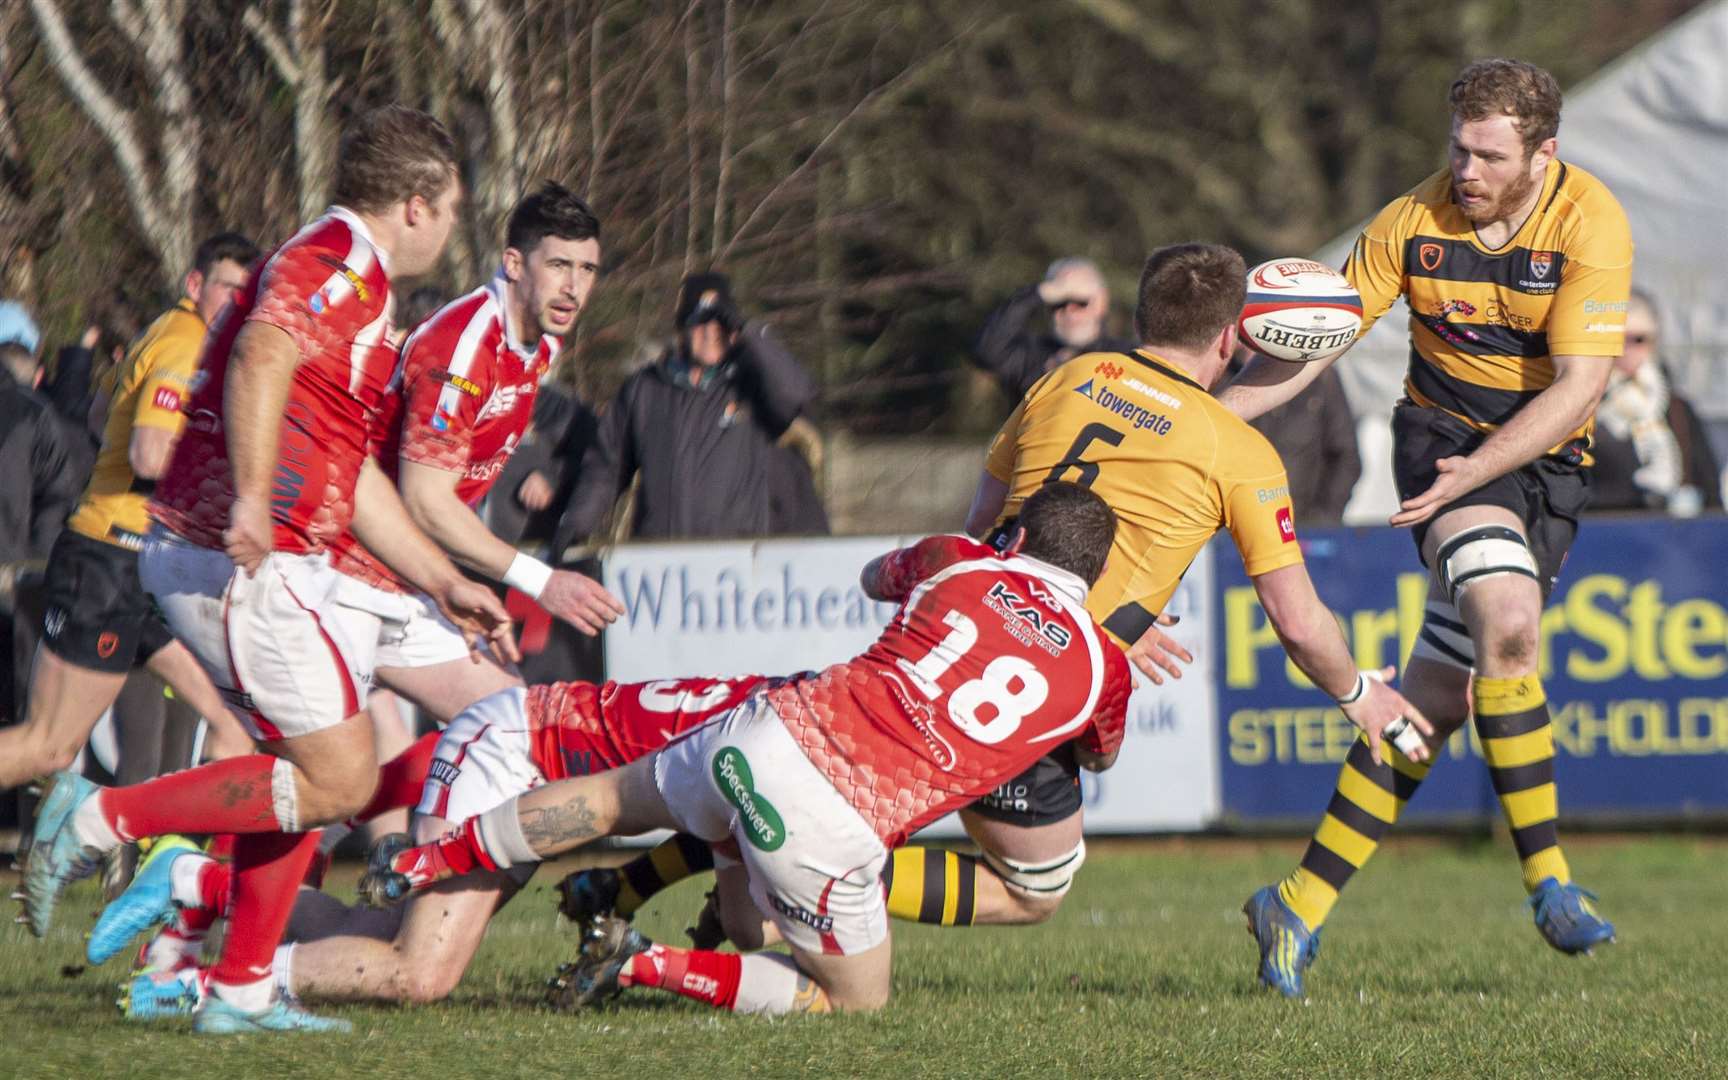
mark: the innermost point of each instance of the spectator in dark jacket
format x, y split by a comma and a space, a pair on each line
1652, 452
1078, 302
700, 426
39, 486
1315, 434
540, 477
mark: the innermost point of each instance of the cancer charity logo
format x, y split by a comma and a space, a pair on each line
762, 824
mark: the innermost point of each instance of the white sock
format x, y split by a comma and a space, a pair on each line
501, 834
282, 969
183, 879
252, 997
768, 984
284, 796
91, 827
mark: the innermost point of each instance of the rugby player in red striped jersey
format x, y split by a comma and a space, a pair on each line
273, 466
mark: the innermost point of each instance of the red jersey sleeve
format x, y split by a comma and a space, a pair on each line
440, 407
1110, 717
316, 298
902, 571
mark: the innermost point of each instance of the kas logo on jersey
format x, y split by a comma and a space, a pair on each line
503, 401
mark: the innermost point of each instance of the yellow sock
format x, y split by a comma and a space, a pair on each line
1518, 744
1367, 801
932, 885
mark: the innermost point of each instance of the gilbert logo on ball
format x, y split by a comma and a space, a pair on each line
1299, 310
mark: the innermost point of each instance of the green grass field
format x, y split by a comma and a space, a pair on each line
1430, 968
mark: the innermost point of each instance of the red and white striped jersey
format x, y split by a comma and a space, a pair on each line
467, 399
989, 664
579, 728
328, 288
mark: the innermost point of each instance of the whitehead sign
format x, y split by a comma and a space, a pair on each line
739, 608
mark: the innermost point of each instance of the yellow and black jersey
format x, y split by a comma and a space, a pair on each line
1175, 465
149, 386
1486, 323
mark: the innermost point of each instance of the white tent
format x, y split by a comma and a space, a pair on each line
1654, 127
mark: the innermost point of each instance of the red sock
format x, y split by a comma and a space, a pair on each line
231, 796
214, 882
400, 779
457, 852
709, 977
267, 872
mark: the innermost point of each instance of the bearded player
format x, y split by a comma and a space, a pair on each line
1517, 267
502, 746
469, 375
273, 468
990, 659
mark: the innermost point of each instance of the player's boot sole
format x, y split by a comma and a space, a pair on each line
593, 977
56, 857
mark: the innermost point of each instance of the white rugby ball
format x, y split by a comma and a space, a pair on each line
1299, 310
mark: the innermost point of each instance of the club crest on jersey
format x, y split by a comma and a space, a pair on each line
1540, 263
762, 824
1429, 255
1025, 622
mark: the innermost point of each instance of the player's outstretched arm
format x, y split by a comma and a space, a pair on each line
1311, 636
1267, 383
255, 395
382, 523
987, 503
429, 494
1545, 422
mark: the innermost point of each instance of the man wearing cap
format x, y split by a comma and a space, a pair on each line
38, 486
699, 425
1078, 302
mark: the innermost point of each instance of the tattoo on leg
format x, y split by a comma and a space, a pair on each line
570, 823
809, 997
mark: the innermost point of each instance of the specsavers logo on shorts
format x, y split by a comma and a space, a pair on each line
762, 824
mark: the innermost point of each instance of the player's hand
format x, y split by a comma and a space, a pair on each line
480, 616
580, 601
535, 492
1380, 707
249, 534
1457, 478
1156, 650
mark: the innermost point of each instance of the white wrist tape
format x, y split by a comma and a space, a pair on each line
1356, 693
528, 574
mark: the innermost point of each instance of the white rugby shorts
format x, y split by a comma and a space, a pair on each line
290, 647
481, 759
423, 638
815, 864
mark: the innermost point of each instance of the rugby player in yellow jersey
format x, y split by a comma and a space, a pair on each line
99, 622
1142, 431
1517, 267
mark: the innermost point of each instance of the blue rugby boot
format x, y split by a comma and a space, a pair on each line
217, 1017
607, 947
162, 995
1567, 918
147, 902
1287, 946
58, 857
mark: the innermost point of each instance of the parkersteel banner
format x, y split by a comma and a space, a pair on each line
1634, 658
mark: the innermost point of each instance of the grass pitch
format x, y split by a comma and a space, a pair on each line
1430, 968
